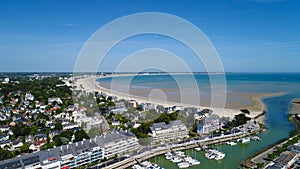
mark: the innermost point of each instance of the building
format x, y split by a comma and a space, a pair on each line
67, 156
147, 106
6, 80
285, 160
208, 125
80, 153
118, 143
29, 97
76, 154
95, 122
161, 132
133, 103
56, 99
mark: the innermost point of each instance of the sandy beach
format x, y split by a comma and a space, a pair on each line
88, 83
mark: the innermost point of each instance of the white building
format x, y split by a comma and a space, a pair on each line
56, 99
208, 125
133, 103
6, 80
161, 132
118, 143
29, 97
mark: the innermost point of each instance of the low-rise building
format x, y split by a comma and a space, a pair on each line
133, 103
56, 99
161, 132
147, 106
285, 160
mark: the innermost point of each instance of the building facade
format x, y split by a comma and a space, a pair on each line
118, 143
76, 154
161, 132
208, 125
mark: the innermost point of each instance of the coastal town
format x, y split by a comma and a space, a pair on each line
42, 126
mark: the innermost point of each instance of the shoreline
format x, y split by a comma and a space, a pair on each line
89, 84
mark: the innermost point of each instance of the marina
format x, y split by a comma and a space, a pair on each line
182, 160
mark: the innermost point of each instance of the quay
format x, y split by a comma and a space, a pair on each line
262, 156
187, 144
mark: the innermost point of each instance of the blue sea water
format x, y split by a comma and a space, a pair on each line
278, 126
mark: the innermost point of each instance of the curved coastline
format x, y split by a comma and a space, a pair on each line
89, 83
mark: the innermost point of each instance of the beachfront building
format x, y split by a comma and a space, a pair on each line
119, 108
66, 156
80, 154
148, 106
208, 124
118, 143
161, 132
77, 154
133, 103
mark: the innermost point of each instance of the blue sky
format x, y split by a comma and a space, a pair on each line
249, 35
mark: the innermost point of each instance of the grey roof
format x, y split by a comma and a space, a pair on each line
175, 123
159, 125
112, 137
284, 158
77, 148
162, 125
74, 148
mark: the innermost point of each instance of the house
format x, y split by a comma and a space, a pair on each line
56, 99
29, 97
70, 126
5, 143
6, 80
4, 136
32, 147
133, 103
208, 124
147, 106
97, 121
16, 144
115, 123
29, 138
112, 98
53, 133
119, 108
38, 144
71, 108
4, 128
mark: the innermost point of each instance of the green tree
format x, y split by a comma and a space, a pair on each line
58, 126
67, 134
94, 131
260, 165
20, 129
80, 135
5, 154
24, 148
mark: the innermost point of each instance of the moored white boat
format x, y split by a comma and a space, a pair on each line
220, 156
176, 160
183, 165
245, 140
198, 149
232, 143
